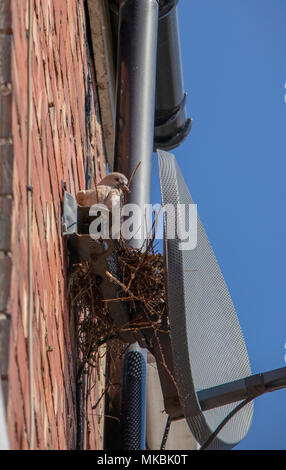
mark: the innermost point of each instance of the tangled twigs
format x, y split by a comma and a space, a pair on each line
140, 278
94, 326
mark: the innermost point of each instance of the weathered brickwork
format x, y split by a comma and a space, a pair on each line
66, 145
6, 165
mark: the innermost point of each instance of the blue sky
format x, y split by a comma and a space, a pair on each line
234, 65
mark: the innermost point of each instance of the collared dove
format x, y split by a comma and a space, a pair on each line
109, 191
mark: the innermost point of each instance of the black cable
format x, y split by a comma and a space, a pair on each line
263, 390
166, 433
225, 421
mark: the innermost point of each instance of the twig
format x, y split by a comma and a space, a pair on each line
133, 174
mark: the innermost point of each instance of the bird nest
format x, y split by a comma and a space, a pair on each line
141, 281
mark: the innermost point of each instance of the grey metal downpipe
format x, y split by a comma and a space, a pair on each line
172, 125
136, 78
134, 131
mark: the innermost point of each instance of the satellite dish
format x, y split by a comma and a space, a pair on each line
207, 344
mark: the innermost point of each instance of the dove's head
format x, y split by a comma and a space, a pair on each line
116, 180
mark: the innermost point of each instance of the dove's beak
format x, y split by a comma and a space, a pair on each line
125, 188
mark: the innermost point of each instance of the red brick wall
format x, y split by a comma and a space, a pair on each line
6, 163
66, 137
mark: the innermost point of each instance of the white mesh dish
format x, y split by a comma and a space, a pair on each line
207, 342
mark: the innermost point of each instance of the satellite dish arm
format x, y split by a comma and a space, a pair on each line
249, 387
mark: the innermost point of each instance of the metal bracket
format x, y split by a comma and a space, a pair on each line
69, 218
251, 386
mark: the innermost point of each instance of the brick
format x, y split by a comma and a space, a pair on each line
5, 323
5, 222
5, 114
15, 419
5, 58
5, 274
5, 15
6, 169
